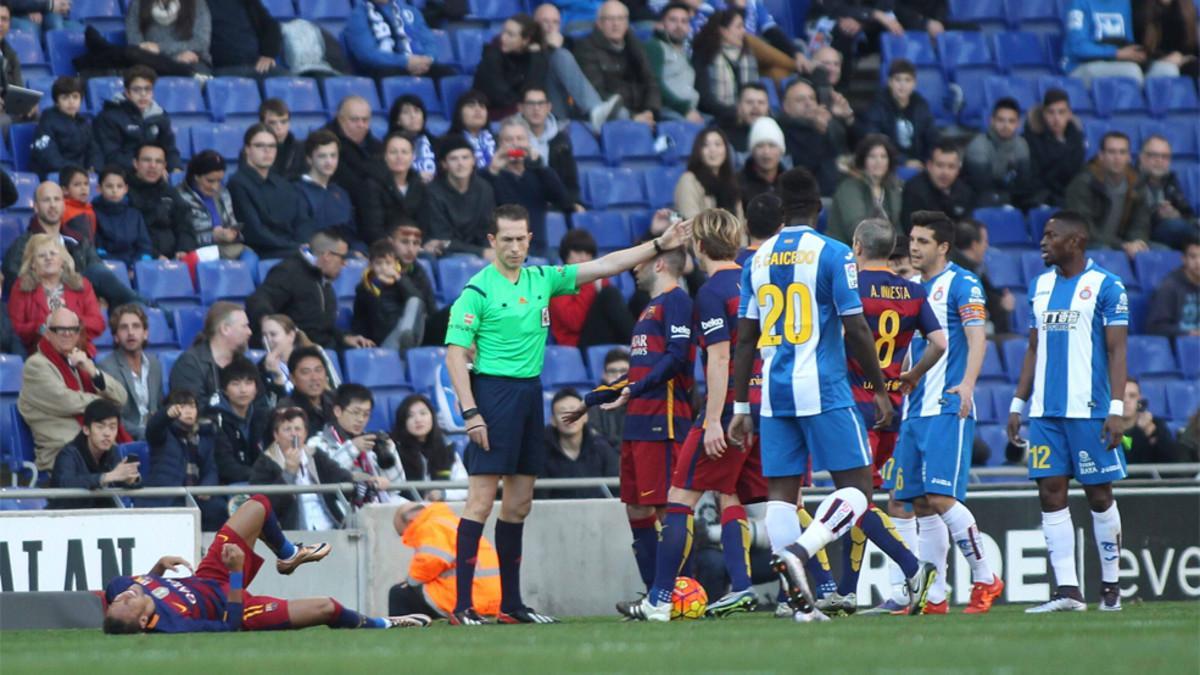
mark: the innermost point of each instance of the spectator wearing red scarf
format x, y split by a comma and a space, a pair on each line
48, 280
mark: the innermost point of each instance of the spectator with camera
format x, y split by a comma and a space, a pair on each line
91, 460
288, 461
575, 450
1148, 438
815, 136
516, 179
369, 455
182, 454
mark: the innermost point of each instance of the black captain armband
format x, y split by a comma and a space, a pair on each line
469, 413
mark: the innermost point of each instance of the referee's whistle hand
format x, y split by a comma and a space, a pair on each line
477, 432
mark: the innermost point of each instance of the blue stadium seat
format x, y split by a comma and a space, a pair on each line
556, 227
1118, 97
338, 88
931, 86
280, 9
1117, 262
165, 281
43, 83
1151, 355
421, 87
584, 145
29, 53
26, 188
913, 45
991, 401
167, 357
139, 449
595, 360
119, 270
224, 280
1039, 16
379, 369
1139, 306
233, 97
101, 89
1004, 270
996, 87
329, 14
299, 93
468, 48
455, 272
1006, 225
1037, 218
995, 437
21, 138
224, 137
965, 54
352, 272
610, 188
20, 459
189, 322
1018, 321
563, 366
160, 332
1153, 265
11, 227
1183, 398
1081, 99
103, 15
1014, 356
493, 10
451, 88
1172, 97
993, 367
626, 140
1187, 348
683, 135
1155, 394
10, 374
990, 15
63, 46
972, 113
609, 228
423, 363
443, 49
264, 267
639, 222
181, 97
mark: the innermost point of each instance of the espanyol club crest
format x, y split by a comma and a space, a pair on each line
1085, 293
937, 295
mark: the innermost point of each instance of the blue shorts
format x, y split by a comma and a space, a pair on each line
516, 425
933, 456
1072, 447
835, 441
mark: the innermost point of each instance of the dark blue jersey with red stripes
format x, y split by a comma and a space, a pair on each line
895, 308
187, 605
660, 370
715, 320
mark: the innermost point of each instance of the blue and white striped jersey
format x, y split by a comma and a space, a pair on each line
957, 300
798, 285
1070, 315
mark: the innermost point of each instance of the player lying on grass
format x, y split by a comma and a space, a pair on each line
214, 598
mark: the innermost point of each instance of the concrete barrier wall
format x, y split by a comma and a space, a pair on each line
338, 575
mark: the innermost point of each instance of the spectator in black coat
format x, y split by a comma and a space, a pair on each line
938, 187
289, 152
575, 450
460, 203
903, 115
302, 288
970, 253
241, 418
1056, 147
517, 181
401, 194
388, 308
91, 460
63, 136
360, 154
515, 59
312, 392
814, 137
753, 103
246, 39
152, 195
1175, 307
272, 212
181, 455
856, 26
121, 232
1148, 436
204, 210
328, 203
549, 143
289, 462
997, 163
1172, 219
763, 168
133, 118
225, 335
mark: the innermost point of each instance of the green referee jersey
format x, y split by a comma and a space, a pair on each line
507, 321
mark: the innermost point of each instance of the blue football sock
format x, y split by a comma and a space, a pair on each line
854, 545
469, 532
879, 529
673, 547
272, 534
645, 545
508, 550
348, 618
735, 537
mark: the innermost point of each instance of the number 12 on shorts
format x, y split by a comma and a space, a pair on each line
1039, 457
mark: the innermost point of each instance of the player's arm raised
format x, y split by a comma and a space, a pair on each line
1116, 337
861, 343
976, 350
1024, 388
742, 426
674, 236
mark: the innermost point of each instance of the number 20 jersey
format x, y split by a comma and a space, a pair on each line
798, 286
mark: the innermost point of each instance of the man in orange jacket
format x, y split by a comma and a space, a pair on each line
432, 531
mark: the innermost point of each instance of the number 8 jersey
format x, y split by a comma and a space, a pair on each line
798, 285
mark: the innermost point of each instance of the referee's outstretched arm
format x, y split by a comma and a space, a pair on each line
674, 236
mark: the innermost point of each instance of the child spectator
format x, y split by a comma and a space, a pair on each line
77, 196
133, 118
388, 307
63, 136
241, 420
181, 455
121, 233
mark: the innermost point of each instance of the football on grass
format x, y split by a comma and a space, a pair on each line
689, 600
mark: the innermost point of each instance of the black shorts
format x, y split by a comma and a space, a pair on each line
516, 424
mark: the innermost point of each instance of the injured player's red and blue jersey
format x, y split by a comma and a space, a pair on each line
186, 605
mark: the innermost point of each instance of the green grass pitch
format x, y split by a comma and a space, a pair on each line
1146, 638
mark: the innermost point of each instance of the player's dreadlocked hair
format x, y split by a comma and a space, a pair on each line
115, 626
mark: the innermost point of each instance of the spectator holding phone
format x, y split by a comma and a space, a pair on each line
289, 462
517, 178
1148, 439
91, 460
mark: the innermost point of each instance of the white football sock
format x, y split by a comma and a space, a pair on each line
1107, 527
935, 548
907, 529
783, 527
835, 516
1060, 544
961, 524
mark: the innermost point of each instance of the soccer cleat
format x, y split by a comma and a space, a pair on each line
791, 571
644, 610
600, 114
918, 587
889, 606
783, 611
526, 615
467, 617
983, 595
942, 607
815, 616
409, 621
732, 603
1110, 598
836, 604
304, 553
1059, 603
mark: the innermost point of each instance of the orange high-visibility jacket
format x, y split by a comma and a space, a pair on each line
434, 536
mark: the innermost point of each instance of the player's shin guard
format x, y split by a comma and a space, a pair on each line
907, 529
818, 567
935, 547
735, 546
508, 551
467, 554
961, 523
271, 533
1060, 544
879, 529
673, 549
835, 516
854, 545
1106, 525
348, 618
645, 547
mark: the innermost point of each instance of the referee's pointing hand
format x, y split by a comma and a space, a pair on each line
477, 432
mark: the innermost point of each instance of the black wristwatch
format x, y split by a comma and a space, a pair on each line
658, 249
469, 413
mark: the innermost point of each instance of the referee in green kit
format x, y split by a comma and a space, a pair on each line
505, 312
